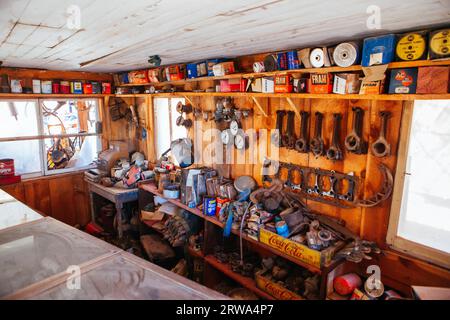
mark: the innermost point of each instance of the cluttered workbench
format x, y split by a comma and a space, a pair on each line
42, 258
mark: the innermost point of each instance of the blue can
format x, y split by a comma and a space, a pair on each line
292, 59
282, 229
282, 61
209, 206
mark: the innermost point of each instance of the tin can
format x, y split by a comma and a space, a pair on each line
292, 59
76, 87
64, 87
7, 167
36, 86
55, 87
46, 86
282, 61
87, 88
209, 206
282, 229
96, 87
106, 88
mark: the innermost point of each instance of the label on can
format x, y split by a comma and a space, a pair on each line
209, 206
440, 43
411, 47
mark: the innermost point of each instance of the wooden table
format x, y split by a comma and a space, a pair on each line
118, 196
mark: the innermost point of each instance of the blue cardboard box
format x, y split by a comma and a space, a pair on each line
196, 70
378, 50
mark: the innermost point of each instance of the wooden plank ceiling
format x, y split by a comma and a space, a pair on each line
119, 35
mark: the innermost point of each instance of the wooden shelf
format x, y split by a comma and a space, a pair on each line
246, 282
50, 96
152, 189
388, 97
393, 65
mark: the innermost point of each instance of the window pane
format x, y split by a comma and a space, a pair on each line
18, 119
425, 211
25, 154
74, 152
69, 116
177, 131
162, 124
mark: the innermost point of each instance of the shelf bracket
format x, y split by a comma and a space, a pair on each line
293, 107
259, 106
189, 100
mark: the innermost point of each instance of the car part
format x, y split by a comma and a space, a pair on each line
334, 152
316, 144
181, 121
275, 137
384, 193
381, 148
288, 138
301, 145
354, 142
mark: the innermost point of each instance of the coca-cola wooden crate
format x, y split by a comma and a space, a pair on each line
299, 251
274, 289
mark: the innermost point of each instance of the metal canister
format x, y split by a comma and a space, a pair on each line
292, 59
282, 229
209, 206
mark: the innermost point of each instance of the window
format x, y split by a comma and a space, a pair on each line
420, 214
49, 136
166, 128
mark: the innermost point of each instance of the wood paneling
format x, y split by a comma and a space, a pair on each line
20, 73
63, 197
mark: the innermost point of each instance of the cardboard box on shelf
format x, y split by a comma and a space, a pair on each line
373, 81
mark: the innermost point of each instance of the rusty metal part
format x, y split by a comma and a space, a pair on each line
275, 137
384, 193
334, 195
288, 138
301, 145
316, 144
187, 123
354, 142
183, 108
381, 148
334, 152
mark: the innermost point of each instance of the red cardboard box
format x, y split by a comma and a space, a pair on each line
321, 83
283, 84
233, 85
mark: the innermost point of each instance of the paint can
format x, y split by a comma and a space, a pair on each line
36, 86
282, 229
56, 87
46, 86
64, 87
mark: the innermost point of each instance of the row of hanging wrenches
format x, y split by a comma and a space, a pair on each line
326, 186
354, 141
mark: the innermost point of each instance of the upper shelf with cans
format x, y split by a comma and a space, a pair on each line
418, 62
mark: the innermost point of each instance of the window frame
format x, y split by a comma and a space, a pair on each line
393, 240
41, 136
155, 117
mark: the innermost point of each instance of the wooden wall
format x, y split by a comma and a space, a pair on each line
64, 197
369, 223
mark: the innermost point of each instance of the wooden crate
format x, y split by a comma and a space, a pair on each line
298, 251
277, 291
